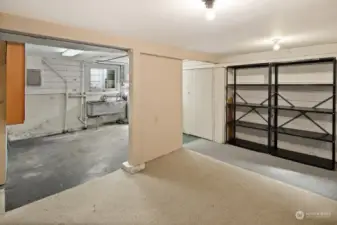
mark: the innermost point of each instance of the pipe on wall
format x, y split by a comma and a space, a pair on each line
83, 116
66, 94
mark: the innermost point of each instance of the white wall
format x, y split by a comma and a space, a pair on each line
299, 97
45, 104
316, 51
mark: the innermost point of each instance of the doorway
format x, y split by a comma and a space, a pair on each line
76, 118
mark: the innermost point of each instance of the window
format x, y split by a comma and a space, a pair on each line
110, 79
103, 79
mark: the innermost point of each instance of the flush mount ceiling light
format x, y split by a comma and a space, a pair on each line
276, 45
210, 11
71, 52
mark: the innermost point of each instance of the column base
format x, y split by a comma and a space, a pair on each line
131, 168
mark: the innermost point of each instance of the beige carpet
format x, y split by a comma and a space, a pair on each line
181, 188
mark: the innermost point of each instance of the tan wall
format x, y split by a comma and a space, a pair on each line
37, 27
3, 145
155, 84
156, 112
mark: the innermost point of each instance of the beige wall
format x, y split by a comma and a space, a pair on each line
156, 112
37, 27
3, 142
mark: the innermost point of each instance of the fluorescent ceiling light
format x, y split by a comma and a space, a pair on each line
71, 52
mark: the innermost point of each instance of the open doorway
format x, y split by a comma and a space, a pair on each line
76, 118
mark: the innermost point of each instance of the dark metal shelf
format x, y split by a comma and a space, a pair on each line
256, 126
306, 85
305, 158
254, 105
305, 109
272, 105
282, 85
287, 131
285, 154
287, 63
250, 66
249, 145
305, 134
248, 85
289, 108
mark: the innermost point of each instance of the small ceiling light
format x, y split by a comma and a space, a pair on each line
210, 11
71, 52
276, 45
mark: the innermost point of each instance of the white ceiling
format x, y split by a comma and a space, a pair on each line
87, 55
240, 26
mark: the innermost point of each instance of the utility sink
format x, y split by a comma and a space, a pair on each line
100, 108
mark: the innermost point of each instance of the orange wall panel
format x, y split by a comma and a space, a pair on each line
15, 82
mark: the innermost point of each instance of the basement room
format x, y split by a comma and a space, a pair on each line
76, 120
161, 112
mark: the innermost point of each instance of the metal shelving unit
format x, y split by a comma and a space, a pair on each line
272, 126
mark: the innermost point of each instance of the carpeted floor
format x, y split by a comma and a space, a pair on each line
181, 188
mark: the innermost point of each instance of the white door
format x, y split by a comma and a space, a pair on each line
188, 102
203, 103
198, 103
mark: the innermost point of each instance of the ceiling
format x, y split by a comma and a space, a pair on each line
86, 55
240, 26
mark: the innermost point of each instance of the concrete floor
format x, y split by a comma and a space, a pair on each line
189, 138
320, 181
44, 166
180, 188
41, 167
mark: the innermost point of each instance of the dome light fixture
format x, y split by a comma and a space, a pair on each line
210, 11
276, 45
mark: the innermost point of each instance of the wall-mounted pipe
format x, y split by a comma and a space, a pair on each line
66, 94
83, 115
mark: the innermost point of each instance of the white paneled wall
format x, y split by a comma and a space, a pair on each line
45, 104
51, 83
219, 104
